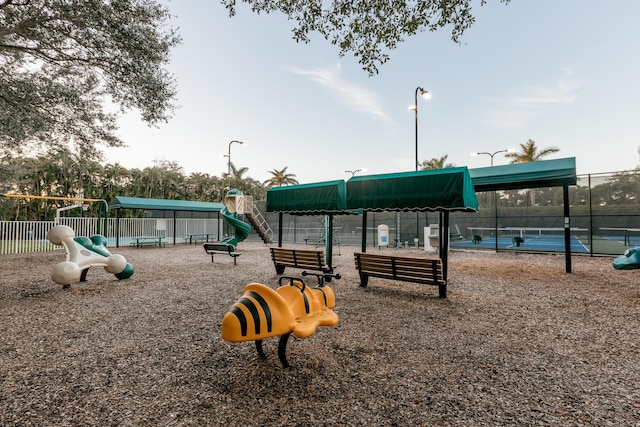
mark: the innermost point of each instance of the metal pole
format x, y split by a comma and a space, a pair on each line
415, 106
229, 163
567, 228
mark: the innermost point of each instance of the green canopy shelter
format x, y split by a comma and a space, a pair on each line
543, 173
441, 190
174, 206
320, 198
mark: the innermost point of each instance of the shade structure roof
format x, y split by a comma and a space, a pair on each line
165, 205
320, 198
543, 173
448, 189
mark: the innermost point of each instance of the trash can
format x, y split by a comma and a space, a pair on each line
383, 235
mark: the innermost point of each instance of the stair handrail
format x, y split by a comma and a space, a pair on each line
251, 209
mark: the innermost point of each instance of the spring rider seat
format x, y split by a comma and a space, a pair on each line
630, 260
83, 253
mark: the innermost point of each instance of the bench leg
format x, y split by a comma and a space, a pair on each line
235, 259
282, 349
442, 291
280, 269
260, 350
211, 257
364, 280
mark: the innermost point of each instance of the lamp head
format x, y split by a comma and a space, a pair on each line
425, 94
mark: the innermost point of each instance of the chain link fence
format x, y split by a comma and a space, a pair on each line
604, 209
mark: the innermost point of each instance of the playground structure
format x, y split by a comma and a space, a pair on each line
83, 253
293, 308
630, 260
233, 204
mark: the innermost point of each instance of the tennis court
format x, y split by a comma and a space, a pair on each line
530, 238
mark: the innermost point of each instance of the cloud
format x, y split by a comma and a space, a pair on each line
347, 93
517, 111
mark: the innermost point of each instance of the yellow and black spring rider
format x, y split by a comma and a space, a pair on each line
293, 308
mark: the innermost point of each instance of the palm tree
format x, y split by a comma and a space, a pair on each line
236, 178
280, 178
530, 153
437, 163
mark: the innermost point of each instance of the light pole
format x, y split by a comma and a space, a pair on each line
353, 173
228, 156
492, 154
426, 95
495, 194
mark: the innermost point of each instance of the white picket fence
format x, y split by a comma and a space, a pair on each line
31, 236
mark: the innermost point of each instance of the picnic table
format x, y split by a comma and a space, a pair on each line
149, 241
194, 238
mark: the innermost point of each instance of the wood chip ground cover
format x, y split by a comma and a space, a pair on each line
517, 342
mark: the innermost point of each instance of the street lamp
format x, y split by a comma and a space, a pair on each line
353, 173
492, 154
414, 107
426, 95
228, 156
495, 194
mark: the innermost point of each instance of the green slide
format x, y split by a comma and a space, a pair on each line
242, 229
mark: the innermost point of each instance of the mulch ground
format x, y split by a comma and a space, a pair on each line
517, 341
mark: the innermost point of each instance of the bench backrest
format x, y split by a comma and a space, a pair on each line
223, 247
300, 258
421, 270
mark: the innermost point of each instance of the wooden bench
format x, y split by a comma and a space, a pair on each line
262, 313
221, 248
298, 258
427, 271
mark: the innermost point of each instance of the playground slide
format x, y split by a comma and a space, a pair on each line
242, 229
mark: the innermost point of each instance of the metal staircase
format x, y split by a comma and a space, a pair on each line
258, 221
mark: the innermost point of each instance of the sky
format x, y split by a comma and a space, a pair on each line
561, 72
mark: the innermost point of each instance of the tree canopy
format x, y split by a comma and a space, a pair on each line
62, 62
530, 153
437, 163
280, 178
367, 29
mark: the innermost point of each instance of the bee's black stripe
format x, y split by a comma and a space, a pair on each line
241, 318
265, 308
249, 304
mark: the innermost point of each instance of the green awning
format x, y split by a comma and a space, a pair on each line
164, 205
448, 189
544, 173
320, 198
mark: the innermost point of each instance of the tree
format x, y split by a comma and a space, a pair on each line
437, 163
530, 153
280, 178
63, 61
365, 28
